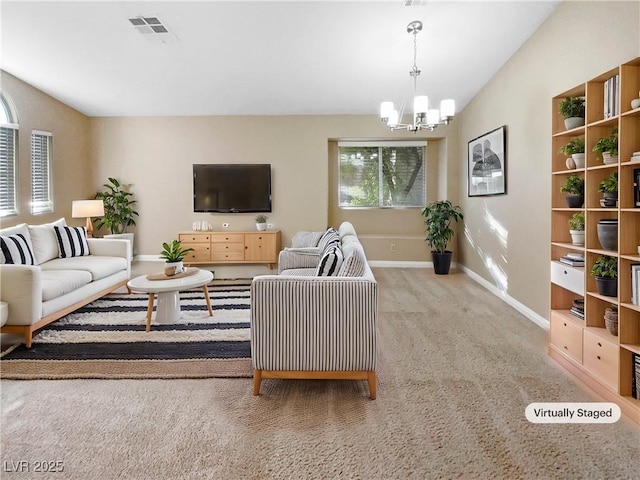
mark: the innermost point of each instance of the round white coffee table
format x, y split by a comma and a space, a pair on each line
168, 291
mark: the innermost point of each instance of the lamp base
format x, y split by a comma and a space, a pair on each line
89, 226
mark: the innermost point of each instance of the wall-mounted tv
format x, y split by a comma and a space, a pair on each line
231, 188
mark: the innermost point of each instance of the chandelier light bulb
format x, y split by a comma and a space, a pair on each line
385, 110
420, 104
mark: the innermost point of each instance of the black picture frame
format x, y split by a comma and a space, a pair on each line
487, 163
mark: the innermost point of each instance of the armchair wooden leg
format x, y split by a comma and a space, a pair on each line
371, 378
257, 379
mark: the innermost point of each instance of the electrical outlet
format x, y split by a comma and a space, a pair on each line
269, 226
393, 247
225, 225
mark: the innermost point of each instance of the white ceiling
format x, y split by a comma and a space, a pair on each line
259, 58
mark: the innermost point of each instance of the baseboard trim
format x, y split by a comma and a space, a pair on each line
523, 309
400, 264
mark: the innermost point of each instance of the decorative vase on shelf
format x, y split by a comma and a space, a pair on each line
608, 233
261, 226
635, 103
578, 159
577, 237
611, 319
608, 159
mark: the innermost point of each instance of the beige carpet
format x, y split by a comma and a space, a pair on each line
457, 369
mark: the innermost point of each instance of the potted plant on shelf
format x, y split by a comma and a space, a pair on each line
438, 217
609, 189
261, 222
119, 210
576, 228
575, 148
605, 272
572, 109
574, 187
608, 147
173, 254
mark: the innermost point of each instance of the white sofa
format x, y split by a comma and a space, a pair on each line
310, 322
39, 294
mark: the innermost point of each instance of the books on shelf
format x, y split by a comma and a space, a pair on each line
635, 379
572, 261
575, 255
611, 97
635, 283
635, 157
577, 312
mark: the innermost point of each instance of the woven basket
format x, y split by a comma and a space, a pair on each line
611, 321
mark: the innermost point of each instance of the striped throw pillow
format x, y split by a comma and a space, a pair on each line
72, 241
329, 237
330, 262
16, 249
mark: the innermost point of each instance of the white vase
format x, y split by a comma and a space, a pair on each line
573, 122
261, 226
173, 268
607, 159
577, 237
578, 159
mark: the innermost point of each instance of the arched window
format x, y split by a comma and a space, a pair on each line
8, 157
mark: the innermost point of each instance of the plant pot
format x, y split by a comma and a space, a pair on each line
573, 122
575, 201
611, 320
577, 237
609, 199
608, 233
173, 268
261, 226
578, 159
607, 286
607, 159
441, 262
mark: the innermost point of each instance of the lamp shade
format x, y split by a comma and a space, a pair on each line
433, 116
447, 108
420, 104
385, 109
87, 208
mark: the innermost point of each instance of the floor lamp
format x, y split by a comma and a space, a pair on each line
88, 209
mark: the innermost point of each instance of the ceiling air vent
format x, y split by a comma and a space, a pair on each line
152, 28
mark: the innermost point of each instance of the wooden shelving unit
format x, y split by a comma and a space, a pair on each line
584, 346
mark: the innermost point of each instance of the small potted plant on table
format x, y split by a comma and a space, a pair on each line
574, 187
173, 254
438, 217
261, 222
605, 271
572, 109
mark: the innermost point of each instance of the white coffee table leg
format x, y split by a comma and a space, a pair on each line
168, 307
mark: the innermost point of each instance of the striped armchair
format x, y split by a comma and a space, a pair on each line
315, 327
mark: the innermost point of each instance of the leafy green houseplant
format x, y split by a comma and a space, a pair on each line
575, 145
438, 217
173, 254
572, 109
609, 189
261, 222
605, 271
576, 228
119, 210
574, 187
608, 147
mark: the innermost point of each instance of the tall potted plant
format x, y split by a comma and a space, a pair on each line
572, 109
119, 211
438, 217
605, 271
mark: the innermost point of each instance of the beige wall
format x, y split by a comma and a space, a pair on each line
507, 237
155, 155
72, 165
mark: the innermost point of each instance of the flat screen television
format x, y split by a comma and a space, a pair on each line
231, 188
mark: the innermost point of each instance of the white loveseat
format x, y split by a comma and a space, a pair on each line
39, 294
316, 322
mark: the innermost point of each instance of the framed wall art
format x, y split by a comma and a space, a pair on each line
487, 162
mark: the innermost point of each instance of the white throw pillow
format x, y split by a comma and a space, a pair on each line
43, 240
16, 249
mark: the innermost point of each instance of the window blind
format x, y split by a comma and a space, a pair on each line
8, 138
41, 155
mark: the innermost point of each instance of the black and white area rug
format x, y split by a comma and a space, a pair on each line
107, 339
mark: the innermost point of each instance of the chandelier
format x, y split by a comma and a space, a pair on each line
423, 116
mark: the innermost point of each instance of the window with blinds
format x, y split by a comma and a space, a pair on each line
8, 160
382, 175
41, 158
